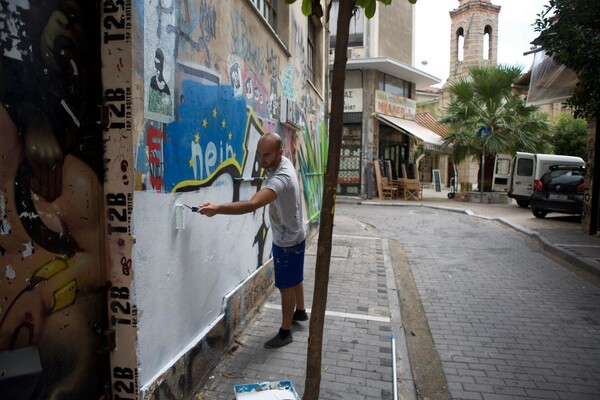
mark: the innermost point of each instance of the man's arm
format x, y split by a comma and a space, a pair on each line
260, 199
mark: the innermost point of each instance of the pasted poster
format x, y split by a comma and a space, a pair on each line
159, 59
52, 280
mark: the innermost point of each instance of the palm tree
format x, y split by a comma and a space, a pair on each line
485, 118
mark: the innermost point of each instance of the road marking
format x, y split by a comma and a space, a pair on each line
579, 245
339, 314
357, 237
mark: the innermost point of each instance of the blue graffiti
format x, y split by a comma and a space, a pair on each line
208, 134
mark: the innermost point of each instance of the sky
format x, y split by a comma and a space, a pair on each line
432, 33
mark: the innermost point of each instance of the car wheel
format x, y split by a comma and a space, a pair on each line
450, 195
523, 203
539, 213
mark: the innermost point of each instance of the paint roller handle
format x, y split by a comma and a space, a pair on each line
194, 209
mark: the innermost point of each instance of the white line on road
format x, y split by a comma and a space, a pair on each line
578, 245
357, 237
339, 314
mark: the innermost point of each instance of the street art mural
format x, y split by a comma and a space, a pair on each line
100, 139
52, 281
231, 83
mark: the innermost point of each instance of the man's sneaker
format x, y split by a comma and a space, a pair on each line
278, 341
300, 315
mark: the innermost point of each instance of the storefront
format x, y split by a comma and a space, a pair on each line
349, 178
377, 93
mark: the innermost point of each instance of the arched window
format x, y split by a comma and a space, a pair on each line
460, 43
487, 43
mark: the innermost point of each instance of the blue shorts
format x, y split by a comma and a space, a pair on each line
289, 265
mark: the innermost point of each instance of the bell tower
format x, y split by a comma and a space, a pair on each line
473, 36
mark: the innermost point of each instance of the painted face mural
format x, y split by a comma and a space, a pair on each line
52, 307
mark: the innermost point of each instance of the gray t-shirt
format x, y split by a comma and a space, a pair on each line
286, 211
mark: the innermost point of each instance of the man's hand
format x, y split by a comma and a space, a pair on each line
208, 209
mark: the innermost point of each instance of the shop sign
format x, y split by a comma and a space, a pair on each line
353, 99
395, 106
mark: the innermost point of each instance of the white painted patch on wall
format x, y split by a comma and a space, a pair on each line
10, 273
28, 249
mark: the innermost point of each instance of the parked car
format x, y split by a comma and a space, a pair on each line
517, 175
560, 190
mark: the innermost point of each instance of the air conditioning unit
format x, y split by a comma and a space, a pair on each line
356, 52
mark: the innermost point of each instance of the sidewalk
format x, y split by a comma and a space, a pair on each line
363, 313
363, 310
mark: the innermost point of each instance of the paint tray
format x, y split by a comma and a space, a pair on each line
278, 390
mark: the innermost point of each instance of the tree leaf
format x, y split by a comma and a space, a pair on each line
306, 7
370, 8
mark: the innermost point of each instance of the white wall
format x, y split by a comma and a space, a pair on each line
182, 275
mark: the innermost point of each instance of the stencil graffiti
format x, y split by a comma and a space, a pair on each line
255, 94
159, 68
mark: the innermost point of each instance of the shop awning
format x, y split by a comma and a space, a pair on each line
430, 139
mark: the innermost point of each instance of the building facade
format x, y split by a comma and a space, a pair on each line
379, 104
115, 116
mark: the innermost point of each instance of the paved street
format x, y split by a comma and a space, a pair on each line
507, 320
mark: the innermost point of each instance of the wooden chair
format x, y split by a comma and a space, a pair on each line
412, 186
396, 184
386, 190
399, 182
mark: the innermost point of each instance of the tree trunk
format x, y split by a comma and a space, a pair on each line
319, 303
488, 172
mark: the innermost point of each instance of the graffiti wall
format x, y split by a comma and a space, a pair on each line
52, 277
210, 79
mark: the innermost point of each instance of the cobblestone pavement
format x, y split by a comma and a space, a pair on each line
509, 322
362, 314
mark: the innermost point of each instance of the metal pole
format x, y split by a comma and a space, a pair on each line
394, 372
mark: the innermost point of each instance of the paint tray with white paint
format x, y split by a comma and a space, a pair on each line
278, 390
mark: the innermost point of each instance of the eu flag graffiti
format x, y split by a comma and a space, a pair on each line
208, 135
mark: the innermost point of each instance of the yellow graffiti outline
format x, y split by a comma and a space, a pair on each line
229, 161
64, 296
51, 268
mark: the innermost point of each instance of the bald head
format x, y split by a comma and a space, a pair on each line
270, 150
271, 139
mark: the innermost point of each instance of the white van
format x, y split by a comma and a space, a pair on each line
517, 177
